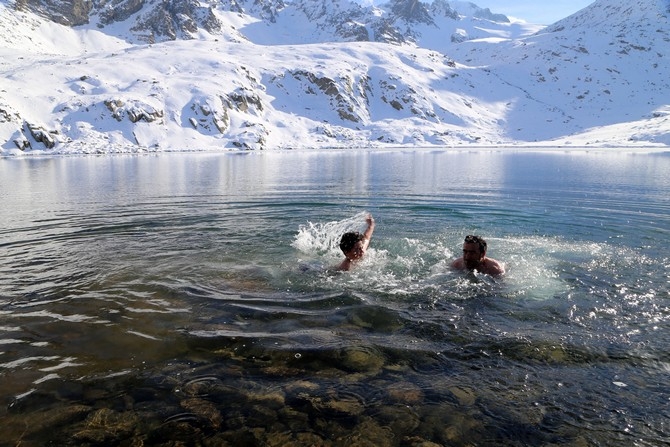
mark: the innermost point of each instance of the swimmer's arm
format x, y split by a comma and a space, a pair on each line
369, 230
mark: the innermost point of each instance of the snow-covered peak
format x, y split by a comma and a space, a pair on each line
264, 74
603, 15
469, 9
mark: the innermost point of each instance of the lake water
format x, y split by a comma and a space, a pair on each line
185, 299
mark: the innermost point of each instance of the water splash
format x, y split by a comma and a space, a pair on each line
323, 239
539, 268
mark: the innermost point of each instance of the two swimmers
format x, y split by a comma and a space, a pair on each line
354, 245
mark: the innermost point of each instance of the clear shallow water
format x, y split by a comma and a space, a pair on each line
181, 297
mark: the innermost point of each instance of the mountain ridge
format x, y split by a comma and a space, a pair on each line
257, 74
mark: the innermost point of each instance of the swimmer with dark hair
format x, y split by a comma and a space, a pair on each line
474, 258
354, 245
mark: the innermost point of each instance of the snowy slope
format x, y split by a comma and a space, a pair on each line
607, 66
595, 78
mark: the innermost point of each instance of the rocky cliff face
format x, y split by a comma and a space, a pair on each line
153, 20
111, 11
65, 12
175, 19
266, 10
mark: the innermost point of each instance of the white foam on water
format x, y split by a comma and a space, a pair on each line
533, 266
537, 267
323, 239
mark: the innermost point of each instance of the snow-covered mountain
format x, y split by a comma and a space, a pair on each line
142, 75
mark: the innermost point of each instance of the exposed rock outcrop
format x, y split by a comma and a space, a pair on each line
65, 12
176, 19
134, 110
111, 11
154, 21
38, 133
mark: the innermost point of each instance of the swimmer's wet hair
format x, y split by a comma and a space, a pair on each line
349, 239
470, 239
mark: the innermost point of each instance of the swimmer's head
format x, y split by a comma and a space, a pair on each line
351, 245
474, 251
480, 241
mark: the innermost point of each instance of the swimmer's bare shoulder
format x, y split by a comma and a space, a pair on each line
493, 267
458, 264
490, 266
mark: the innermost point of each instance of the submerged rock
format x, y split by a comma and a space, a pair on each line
33, 425
406, 392
362, 359
402, 420
464, 396
368, 433
107, 426
205, 410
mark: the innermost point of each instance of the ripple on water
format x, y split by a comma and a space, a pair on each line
205, 311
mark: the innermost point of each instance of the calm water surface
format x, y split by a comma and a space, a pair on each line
186, 300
